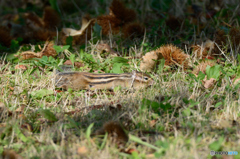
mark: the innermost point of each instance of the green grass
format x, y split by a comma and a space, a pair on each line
175, 118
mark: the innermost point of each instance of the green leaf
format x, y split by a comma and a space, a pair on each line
238, 57
65, 47
213, 72
163, 144
41, 93
72, 58
216, 145
135, 155
193, 76
187, 112
201, 75
186, 101
218, 104
155, 106
161, 65
44, 59
48, 115
88, 132
120, 60
60, 48
104, 141
19, 133
11, 57
117, 68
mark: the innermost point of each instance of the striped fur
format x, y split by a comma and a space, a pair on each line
85, 80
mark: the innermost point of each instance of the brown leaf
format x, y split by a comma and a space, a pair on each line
72, 32
22, 116
20, 109
209, 83
131, 150
22, 67
206, 50
82, 150
29, 54
48, 50
152, 123
76, 64
27, 127
105, 48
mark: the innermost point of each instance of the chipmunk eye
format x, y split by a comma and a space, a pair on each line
146, 78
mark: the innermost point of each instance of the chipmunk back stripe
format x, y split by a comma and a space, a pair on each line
100, 77
103, 82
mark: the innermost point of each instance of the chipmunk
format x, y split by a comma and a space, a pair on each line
85, 80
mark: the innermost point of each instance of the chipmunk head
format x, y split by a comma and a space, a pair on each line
141, 79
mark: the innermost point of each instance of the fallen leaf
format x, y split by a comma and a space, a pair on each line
131, 150
20, 109
22, 116
21, 67
73, 32
76, 64
152, 123
205, 50
209, 83
48, 50
27, 127
82, 150
106, 48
